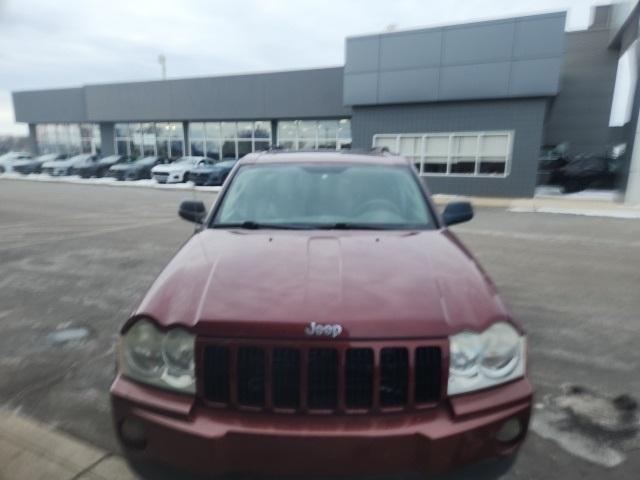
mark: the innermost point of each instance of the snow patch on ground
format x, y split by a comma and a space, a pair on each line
555, 192
611, 213
146, 183
589, 425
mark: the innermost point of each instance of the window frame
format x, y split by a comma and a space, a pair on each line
479, 135
221, 139
342, 143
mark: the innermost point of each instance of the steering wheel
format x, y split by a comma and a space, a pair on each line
378, 204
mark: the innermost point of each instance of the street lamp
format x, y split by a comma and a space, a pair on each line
162, 60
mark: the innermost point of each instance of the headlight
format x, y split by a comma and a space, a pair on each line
162, 359
487, 359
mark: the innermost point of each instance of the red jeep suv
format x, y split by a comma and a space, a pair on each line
322, 320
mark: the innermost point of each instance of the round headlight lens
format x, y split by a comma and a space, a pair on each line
466, 349
501, 350
177, 348
143, 349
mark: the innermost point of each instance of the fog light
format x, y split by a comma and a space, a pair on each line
133, 433
509, 431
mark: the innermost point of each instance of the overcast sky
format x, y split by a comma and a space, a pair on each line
64, 43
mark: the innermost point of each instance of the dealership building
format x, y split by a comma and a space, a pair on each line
472, 105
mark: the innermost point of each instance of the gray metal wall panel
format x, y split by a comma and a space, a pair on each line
407, 85
478, 43
298, 94
479, 61
62, 105
524, 117
362, 88
529, 77
543, 37
580, 113
485, 80
363, 54
411, 50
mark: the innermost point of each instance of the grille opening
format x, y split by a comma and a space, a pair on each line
359, 378
216, 380
286, 377
237, 376
394, 376
323, 378
251, 376
428, 368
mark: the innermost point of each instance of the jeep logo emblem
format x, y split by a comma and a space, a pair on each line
319, 330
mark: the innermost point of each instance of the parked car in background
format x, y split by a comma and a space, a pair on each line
135, 169
582, 171
178, 171
212, 174
10, 158
97, 167
64, 166
34, 165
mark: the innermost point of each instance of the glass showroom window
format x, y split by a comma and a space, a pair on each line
456, 154
228, 140
69, 138
149, 139
170, 140
314, 134
90, 138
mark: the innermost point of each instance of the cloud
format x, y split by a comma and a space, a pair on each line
47, 44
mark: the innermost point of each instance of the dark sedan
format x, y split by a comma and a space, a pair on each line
135, 170
34, 165
99, 167
212, 174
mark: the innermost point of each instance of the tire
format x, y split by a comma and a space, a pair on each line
573, 185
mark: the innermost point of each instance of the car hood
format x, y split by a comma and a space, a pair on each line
22, 163
124, 166
274, 283
171, 168
57, 164
205, 170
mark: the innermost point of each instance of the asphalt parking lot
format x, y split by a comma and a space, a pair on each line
75, 259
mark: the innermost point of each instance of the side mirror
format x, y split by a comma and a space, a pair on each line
192, 211
457, 212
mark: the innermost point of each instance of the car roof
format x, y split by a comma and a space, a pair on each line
343, 156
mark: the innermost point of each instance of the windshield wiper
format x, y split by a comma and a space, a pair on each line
252, 225
359, 226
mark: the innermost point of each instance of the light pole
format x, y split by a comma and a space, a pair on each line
162, 60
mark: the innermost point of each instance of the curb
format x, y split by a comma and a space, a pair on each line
31, 450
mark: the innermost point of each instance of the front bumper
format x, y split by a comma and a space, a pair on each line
184, 434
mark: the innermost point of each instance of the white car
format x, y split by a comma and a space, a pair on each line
9, 159
64, 166
178, 171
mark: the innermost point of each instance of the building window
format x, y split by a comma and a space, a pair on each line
150, 139
68, 138
228, 140
314, 134
453, 154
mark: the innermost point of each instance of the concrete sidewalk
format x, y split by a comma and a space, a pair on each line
549, 204
32, 451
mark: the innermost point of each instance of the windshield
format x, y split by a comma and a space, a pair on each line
145, 160
226, 163
340, 196
191, 160
47, 157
